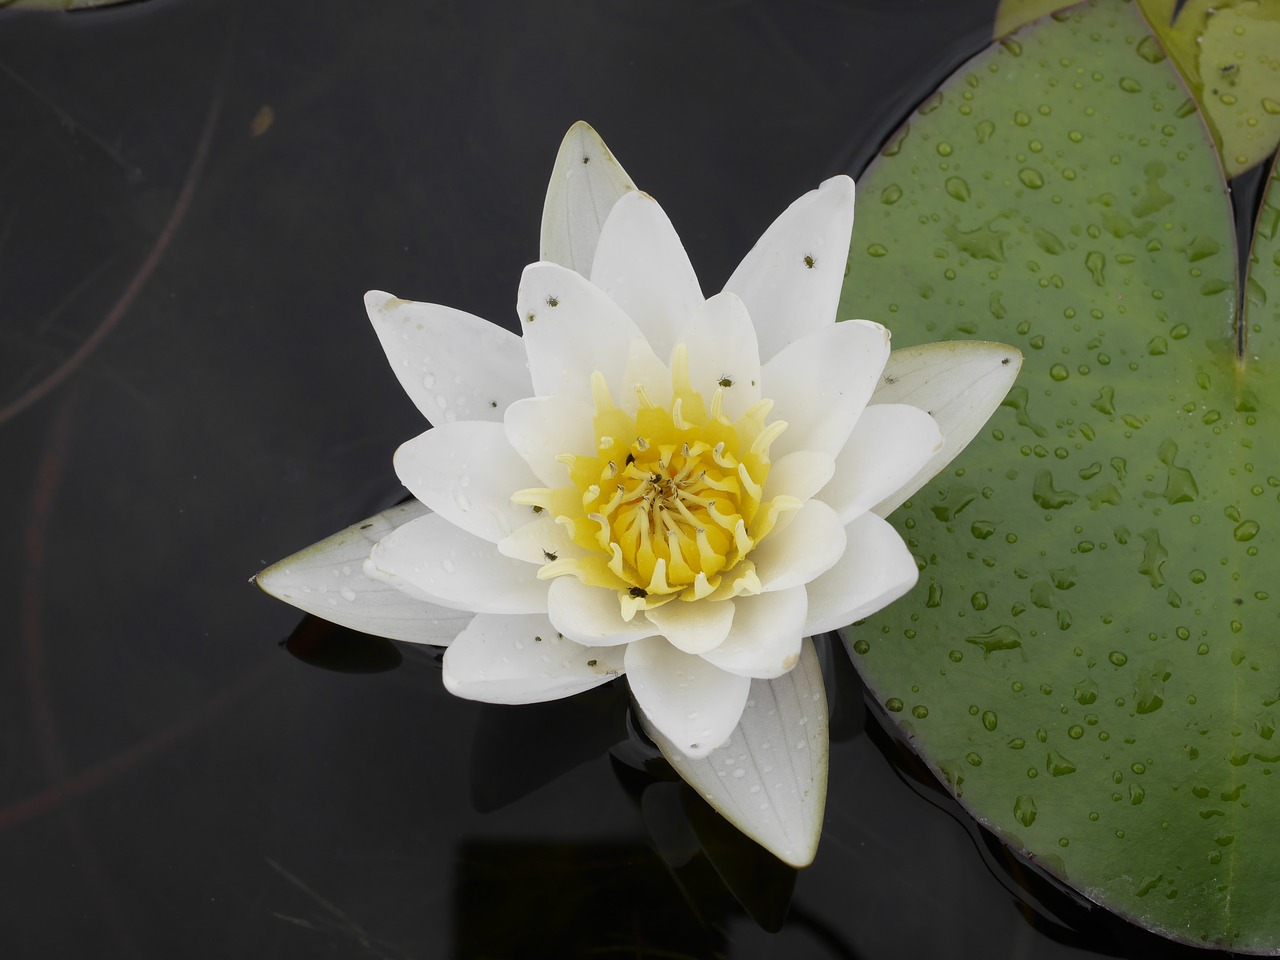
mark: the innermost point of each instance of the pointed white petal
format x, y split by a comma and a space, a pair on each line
453, 366
693, 704
572, 329
770, 779
542, 428
792, 555
791, 279
592, 615
799, 474
723, 353
586, 182
821, 384
466, 471
539, 541
694, 627
451, 567
889, 445
641, 264
521, 659
960, 383
327, 579
876, 569
765, 639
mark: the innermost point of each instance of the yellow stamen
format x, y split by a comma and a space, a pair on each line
669, 505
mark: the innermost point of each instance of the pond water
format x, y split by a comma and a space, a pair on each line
196, 195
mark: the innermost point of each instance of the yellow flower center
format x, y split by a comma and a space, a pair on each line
670, 503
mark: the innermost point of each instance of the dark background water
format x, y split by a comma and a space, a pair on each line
194, 194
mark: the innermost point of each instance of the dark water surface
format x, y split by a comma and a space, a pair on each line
194, 196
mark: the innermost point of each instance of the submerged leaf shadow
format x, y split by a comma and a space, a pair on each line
518, 749
326, 645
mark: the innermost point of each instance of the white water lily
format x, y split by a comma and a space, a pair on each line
651, 482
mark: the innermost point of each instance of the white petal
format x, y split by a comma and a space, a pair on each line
791, 279
690, 702
765, 639
453, 366
794, 554
799, 474
770, 779
542, 428
723, 354
641, 264
694, 627
583, 332
586, 182
876, 569
520, 659
888, 446
821, 384
960, 383
539, 541
466, 472
455, 569
327, 579
592, 615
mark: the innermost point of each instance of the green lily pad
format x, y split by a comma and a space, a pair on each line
1229, 53
1262, 289
1013, 14
1088, 660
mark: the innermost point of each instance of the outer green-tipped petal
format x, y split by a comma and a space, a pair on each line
572, 329
690, 702
722, 353
586, 182
694, 627
889, 446
521, 659
805, 547
959, 383
791, 279
542, 428
876, 569
820, 384
641, 264
770, 779
765, 639
449, 566
453, 366
465, 471
326, 579
592, 615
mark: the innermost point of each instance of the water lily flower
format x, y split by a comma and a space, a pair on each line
648, 481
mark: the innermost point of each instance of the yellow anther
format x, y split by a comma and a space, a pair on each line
677, 416
676, 512
600, 395
658, 582
760, 445
532, 497
680, 382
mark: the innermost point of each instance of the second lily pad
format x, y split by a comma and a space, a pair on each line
1088, 660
